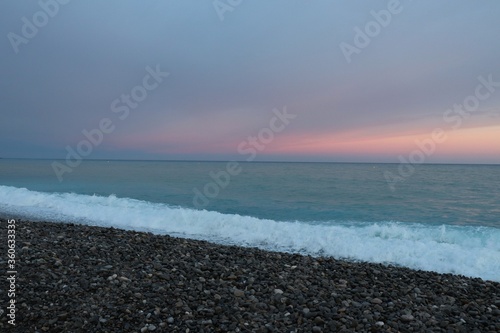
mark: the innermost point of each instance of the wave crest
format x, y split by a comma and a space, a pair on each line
467, 250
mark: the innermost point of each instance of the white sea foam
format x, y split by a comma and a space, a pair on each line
467, 250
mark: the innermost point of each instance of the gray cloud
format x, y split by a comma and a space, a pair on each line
263, 55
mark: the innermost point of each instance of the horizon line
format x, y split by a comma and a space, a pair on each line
239, 161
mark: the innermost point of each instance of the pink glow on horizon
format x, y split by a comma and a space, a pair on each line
480, 142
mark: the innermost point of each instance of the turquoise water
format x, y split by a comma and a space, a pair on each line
435, 194
444, 218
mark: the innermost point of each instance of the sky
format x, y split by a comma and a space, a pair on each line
283, 80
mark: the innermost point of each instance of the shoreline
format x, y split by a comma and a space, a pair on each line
74, 278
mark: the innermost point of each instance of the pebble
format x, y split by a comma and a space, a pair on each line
239, 293
132, 281
407, 317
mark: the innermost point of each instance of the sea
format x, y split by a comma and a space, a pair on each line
442, 218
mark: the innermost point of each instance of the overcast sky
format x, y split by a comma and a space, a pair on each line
356, 97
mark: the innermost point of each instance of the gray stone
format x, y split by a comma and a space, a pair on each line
239, 293
407, 317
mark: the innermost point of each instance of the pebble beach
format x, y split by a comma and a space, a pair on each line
79, 278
